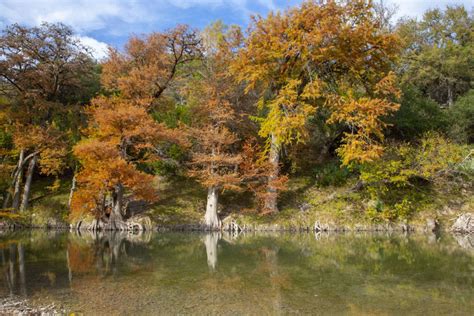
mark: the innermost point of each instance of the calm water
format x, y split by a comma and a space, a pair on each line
248, 274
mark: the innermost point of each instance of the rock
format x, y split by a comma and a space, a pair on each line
465, 241
431, 225
139, 222
304, 206
464, 224
317, 226
14, 305
447, 210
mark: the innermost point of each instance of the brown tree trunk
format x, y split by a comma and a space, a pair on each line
211, 220
17, 182
27, 188
6, 200
272, 192
116, 219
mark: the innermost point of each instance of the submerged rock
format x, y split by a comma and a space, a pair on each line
464, 224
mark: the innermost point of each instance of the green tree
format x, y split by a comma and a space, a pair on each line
462, 119
417, 115
438, 53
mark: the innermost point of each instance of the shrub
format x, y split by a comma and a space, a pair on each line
401, 179
331, 174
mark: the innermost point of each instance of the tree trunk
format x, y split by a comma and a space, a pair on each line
6, 200
17, 181
71, 193
116, 219
29, 178
211, 220
450, 96
272, 193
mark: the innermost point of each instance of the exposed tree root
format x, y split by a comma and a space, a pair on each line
135, 223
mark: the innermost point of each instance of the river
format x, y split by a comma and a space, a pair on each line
246, 274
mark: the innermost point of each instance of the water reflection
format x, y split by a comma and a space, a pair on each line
210, 241
103, 252
249, 273
13, 266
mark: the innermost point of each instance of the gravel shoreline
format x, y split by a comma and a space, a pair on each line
14, 305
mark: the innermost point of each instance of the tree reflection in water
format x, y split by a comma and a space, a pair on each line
248, 273
103, 252
13, 268
210, 240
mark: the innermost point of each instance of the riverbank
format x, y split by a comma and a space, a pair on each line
305, 206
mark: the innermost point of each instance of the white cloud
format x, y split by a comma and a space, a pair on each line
121, 17
82, 15
98, 49
90, 15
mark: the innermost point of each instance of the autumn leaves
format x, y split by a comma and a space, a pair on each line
249, 99
121, 134
320, 55
332, 55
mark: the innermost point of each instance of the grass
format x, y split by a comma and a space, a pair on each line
182, 201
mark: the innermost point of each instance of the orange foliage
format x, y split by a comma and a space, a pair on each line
149, 64
333, 54
215, 156
256, 170
48, 143
121, 134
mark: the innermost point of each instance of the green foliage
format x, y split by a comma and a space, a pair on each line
417, 115
462, 119
438, 53
331, 174
6, 140
172, 165
401, 179
466, 167
172, 117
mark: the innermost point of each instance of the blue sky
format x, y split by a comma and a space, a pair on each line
109, 22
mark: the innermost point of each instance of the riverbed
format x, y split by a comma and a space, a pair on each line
239, 274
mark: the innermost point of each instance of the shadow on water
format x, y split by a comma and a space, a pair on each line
250, 273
